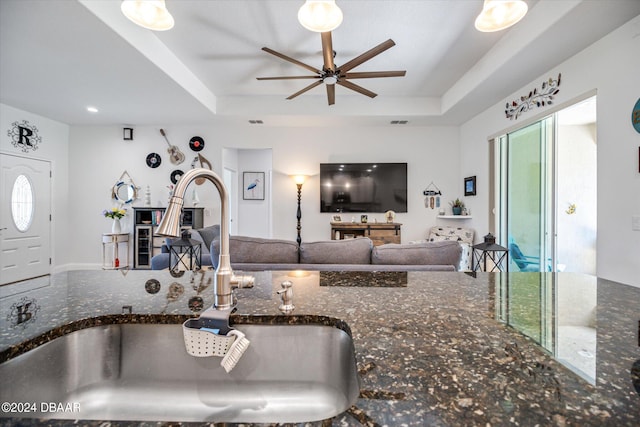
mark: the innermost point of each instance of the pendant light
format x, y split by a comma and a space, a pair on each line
150, 14
320, 15
497, 15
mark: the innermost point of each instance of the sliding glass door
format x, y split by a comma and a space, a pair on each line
546, 192
526, 187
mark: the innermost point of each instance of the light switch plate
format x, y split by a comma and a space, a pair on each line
635, 222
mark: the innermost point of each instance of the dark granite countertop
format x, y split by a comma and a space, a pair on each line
433, 348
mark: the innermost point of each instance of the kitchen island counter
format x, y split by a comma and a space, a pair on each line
433, 348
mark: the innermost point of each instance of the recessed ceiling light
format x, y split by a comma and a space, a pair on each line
92, 109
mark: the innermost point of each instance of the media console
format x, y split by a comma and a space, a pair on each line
379, 232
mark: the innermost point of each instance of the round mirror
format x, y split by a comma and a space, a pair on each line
125, 192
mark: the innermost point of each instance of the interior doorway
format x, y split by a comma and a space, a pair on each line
547, 192
25, 218
250, 215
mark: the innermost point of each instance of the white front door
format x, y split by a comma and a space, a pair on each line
25, 218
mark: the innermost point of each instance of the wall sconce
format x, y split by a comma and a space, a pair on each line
150, 14
299, 180
497, 15
127, 134
320, 15
185, 254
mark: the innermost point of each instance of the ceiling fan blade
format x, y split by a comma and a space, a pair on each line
359, 89
367, 55
288, 78
300, 92
331, 94
373, 74
294, 61
327, 51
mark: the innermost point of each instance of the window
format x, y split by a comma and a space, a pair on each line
22, 203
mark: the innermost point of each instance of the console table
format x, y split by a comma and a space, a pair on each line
114, 245
379, 232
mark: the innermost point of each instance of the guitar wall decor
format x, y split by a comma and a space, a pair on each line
175, 155
203, 161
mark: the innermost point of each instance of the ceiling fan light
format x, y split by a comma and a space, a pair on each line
320, 15
330, 80
497, 15
150, 14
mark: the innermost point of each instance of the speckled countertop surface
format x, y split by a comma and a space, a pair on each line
433, 348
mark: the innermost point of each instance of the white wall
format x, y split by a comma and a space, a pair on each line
611, 67
254, 216
54, 148
577, 183
98, 156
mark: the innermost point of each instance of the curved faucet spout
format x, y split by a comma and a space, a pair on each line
170, 226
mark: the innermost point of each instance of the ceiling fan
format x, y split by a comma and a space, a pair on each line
331, 74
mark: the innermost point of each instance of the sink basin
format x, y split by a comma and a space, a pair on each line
140, 372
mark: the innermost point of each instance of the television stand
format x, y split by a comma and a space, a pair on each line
379, 232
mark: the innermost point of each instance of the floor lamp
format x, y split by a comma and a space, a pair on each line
299, 180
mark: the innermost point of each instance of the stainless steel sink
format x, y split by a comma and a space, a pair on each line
290, 373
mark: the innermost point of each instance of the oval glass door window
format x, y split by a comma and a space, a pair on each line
22, 203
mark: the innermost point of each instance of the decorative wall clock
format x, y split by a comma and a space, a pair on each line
635, 116
196, 143
154, 160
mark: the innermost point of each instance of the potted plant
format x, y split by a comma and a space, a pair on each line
456, 206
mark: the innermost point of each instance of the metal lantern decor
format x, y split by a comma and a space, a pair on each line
185, 254
489, 256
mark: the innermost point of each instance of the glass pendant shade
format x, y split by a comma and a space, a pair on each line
497, 15
150, 14
320, 15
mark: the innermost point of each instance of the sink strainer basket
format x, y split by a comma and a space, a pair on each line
205, 342
202, 338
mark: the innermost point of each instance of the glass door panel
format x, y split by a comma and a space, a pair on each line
527, 196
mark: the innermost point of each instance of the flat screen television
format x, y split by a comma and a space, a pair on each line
363, 187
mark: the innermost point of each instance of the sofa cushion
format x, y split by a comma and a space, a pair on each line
244, 249
430, 253
209, 234
348, 251
204, 248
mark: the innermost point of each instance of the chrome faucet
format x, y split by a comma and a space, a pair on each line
170, 227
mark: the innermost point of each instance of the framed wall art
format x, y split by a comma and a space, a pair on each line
253, 185
470, 186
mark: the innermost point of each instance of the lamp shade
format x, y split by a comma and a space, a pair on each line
299, 179
320, 15
150, 14
497, 15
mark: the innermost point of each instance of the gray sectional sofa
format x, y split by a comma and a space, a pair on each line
255, 254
